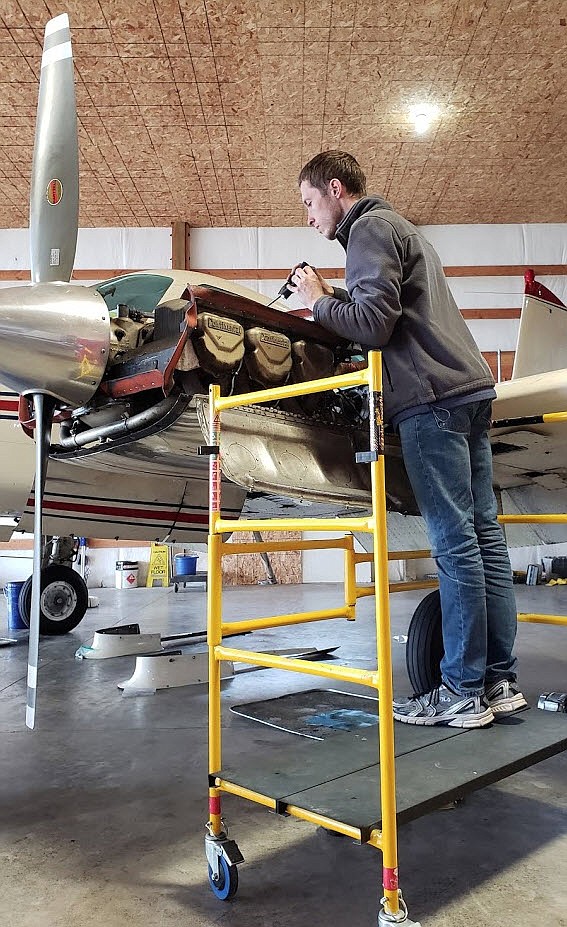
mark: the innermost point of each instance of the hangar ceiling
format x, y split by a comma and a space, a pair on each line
204, 110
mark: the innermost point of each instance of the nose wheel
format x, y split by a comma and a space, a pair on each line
424, 647
64, 600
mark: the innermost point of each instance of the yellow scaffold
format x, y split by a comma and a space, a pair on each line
223, 854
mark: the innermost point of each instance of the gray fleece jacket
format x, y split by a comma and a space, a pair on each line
398, 300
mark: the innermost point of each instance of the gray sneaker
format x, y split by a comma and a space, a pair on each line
441, 706
504, 697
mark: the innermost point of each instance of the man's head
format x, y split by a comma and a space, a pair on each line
330, 184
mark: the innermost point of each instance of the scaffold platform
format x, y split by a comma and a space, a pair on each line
339, 777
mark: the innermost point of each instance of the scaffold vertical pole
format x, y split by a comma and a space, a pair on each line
385, 685
350, 577
214, 608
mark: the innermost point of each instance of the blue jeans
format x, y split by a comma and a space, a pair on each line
449, 463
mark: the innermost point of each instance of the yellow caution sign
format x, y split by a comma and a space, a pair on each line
159, 565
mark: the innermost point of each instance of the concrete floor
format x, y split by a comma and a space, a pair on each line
103, 806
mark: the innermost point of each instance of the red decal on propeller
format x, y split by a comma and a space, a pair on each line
54, 192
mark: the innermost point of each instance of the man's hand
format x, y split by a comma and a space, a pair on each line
349, 367
309, 285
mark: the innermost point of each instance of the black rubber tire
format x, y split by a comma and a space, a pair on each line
77, 592
424, 648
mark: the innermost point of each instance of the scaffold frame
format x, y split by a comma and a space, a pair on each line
222, 853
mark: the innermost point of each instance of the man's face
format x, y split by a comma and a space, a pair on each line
324, 211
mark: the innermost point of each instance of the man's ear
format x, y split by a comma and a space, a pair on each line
335, 188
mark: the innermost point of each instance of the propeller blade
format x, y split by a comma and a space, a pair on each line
43, 408
54, 198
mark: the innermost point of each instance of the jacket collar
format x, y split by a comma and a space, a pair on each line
365, 204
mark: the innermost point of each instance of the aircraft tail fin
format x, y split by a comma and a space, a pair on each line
542, 337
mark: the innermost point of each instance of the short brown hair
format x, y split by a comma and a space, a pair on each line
328, 165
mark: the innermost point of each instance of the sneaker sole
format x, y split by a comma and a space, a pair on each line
509, 705
477, 721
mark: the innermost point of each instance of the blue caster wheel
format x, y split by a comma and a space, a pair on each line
225, 886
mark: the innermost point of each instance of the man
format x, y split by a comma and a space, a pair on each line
438, 394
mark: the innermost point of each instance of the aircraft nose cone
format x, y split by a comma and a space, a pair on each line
54, 339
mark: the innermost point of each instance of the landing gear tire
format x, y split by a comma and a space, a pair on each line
226, 884
64, 600
424, 648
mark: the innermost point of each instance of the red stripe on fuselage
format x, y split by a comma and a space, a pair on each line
9, 405
121, 513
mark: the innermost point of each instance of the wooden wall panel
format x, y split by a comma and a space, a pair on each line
506, 363
248, 569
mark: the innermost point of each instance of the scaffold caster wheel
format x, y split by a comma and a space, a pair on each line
224, 886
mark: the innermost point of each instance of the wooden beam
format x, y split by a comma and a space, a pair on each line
27, 544
491, 313
506, 363
262, 273
179, 246
96, 274
280, 273
338, 273
505, 270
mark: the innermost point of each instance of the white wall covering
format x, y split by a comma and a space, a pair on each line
138, 248
228, 248
117, 248
460, 245
457, 245
538, 243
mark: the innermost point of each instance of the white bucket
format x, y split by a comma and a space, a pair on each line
126, 574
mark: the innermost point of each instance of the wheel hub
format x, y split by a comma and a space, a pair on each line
58, 601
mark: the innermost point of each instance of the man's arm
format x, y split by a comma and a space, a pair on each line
374, 280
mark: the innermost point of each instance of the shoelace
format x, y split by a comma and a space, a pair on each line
428, 698
434, 697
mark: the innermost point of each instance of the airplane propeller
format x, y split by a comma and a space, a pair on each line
44, 407
54, 214
54, 197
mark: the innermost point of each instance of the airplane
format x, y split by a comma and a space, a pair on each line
104, 403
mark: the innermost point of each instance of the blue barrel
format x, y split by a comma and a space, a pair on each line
12, 593
184, 565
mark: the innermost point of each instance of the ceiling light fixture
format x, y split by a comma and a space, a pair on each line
423, 115
421, 122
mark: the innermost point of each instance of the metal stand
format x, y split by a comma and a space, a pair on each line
222, 867
181, 579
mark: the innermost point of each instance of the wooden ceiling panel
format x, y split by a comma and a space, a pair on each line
205, 110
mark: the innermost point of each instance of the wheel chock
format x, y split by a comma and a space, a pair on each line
169, 671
